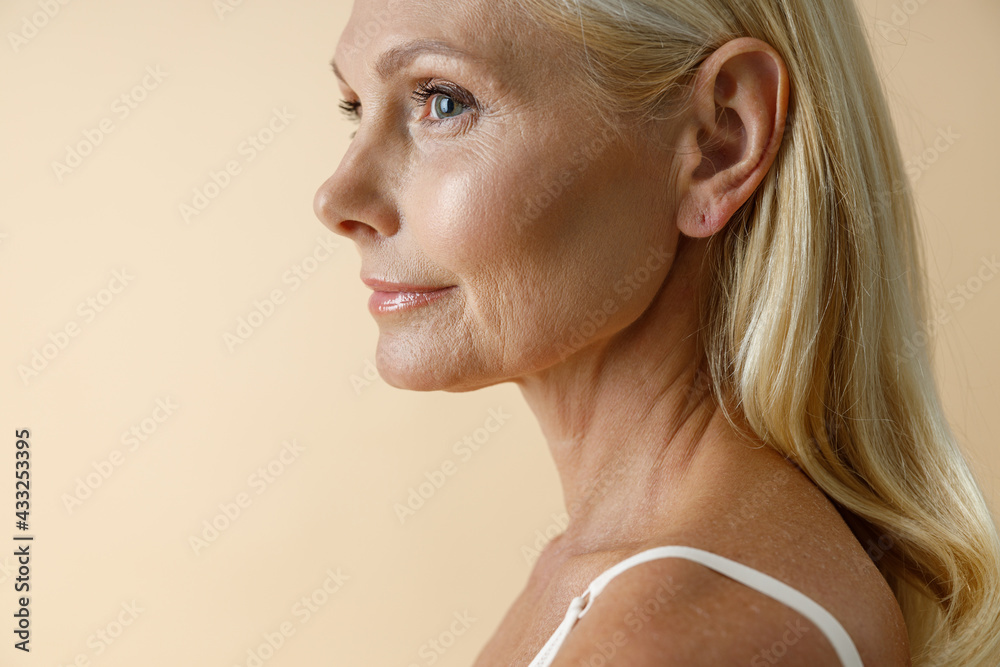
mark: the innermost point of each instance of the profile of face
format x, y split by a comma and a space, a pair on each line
481, 167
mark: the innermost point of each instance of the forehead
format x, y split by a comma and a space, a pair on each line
490, 30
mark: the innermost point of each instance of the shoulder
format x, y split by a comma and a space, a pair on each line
677, 612
674, 611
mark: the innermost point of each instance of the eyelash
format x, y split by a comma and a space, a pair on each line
421, 95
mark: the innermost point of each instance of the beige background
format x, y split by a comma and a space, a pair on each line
301, 375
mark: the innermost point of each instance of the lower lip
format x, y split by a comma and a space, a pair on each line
381, 303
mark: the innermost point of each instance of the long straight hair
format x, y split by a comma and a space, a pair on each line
814, 310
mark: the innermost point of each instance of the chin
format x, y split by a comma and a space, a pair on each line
419, 370
404, 367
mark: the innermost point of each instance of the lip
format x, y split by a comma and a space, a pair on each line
392, 297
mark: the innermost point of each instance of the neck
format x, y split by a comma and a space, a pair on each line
633, 429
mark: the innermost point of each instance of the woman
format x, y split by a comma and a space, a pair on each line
684, 230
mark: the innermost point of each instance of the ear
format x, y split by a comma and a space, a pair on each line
731, 134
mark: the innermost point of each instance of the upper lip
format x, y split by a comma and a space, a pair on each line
388, 286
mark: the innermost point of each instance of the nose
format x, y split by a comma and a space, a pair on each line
355, 201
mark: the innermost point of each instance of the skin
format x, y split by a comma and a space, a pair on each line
644, 455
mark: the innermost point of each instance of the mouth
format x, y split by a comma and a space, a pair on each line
389, 297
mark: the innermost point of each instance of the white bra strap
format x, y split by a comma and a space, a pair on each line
744, 574
548, 652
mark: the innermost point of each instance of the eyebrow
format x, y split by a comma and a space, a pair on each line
399, 56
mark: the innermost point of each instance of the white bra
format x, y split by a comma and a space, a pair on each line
744, 574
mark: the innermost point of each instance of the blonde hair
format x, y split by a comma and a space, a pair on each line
815, 295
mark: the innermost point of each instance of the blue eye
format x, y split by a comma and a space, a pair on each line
446, 107
449, 101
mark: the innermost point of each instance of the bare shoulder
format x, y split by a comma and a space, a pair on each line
677, 612
674, 611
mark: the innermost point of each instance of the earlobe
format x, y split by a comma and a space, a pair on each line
737, 123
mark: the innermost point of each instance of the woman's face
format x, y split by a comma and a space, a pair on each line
500, 183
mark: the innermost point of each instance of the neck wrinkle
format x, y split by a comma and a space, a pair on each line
630, 417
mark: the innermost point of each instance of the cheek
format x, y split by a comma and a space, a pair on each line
467, 219
446, 213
